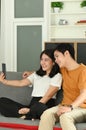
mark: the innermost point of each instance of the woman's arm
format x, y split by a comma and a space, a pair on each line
49, 94
56, 82
19, 83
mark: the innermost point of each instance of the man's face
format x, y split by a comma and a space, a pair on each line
59, 58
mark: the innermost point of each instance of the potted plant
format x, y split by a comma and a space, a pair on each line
83, 4
57, 6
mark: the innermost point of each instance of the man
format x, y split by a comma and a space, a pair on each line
73, 106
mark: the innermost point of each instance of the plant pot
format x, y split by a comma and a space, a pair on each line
84, 8
56, 10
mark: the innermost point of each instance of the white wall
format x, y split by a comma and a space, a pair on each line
8, 28
0, 31
5, 32
0, 21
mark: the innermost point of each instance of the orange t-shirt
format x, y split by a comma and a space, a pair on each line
73, 82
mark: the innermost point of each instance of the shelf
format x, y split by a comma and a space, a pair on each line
80, 24
70, 40
74, 37
67, 0
75, 25
71, 13
66, 13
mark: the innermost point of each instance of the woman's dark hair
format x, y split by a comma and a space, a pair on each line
55, 69
62, 47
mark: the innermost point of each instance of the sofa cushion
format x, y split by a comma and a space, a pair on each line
59, 97
21, 95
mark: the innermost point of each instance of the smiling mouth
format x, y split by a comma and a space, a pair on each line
44, 67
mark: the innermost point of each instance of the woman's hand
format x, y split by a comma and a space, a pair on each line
2, 77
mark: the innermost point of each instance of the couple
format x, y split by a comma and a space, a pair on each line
72, 109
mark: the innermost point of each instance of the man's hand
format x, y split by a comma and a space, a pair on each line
26, 74
63, 109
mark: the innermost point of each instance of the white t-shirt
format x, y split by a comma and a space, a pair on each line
42, 83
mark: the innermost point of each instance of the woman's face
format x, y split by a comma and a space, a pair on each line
46, 63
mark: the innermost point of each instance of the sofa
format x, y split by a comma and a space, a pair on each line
23, 95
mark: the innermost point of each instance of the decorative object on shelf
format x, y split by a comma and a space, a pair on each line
63, 22
83, 4
57, 6
81, 22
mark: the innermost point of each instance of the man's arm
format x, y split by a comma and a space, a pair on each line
79, 100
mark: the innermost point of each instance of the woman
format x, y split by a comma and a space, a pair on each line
46, 82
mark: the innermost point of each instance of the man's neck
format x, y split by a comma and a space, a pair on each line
71, 65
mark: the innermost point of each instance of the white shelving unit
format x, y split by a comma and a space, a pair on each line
72, 13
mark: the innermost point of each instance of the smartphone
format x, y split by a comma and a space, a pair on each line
4, 69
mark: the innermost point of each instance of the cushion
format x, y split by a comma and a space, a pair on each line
59, 96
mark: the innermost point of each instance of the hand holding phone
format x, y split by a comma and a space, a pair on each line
4, 69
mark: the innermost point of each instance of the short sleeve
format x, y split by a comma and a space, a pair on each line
82, 79
56, 80
31, 77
